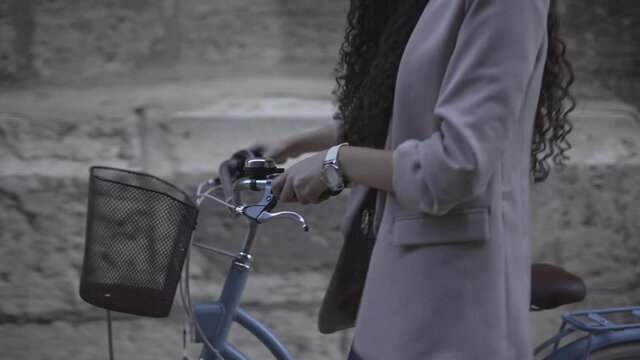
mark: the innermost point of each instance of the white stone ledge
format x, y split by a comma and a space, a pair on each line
605, 132
61, 132
169, 128
268, 107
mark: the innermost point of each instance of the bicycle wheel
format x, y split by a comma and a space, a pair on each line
622, 351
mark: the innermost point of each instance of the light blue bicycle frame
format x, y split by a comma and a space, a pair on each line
216, 318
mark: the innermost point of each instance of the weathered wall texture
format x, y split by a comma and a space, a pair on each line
70, 41
603, 42
50, 137
75, 42
119, 113
586, 217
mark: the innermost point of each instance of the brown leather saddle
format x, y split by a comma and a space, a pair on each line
552, 286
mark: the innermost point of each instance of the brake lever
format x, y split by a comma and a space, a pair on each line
267, 203
260, 212
267, 216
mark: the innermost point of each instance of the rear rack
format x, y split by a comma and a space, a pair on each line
593, 322
599, 322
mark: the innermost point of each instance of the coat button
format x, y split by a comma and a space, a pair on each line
376, 224
365, 223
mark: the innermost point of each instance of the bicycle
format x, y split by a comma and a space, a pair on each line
211, 321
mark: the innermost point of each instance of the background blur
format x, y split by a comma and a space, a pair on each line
173, 87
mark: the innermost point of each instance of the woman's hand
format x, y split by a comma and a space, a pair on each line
279, 150
301, 182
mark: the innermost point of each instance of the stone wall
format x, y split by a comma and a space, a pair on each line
585, 216
603, 43
77, 42
94, 82
95, 41
49, 139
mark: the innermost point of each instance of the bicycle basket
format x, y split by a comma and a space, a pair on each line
138, 233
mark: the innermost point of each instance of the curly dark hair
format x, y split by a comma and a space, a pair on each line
376, 34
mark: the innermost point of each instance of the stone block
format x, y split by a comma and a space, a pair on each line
8, 61
88, 39
603, 40
42, 243
72, 42
299, 37
200, 139
31, 145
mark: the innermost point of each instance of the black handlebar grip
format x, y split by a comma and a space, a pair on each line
232, 169
228, 173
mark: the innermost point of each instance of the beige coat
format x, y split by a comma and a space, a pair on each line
449, 277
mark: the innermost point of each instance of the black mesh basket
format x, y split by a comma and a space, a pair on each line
138, 233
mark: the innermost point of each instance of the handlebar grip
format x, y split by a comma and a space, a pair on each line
232, 169
227, 172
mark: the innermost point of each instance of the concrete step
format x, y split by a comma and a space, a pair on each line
162, 128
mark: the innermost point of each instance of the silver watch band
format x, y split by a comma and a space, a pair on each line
331, 161
332, 154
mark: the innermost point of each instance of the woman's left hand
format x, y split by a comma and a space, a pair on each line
301, 182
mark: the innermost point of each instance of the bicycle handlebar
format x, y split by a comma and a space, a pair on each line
232, 169
246, 170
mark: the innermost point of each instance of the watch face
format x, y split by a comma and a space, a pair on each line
332, 177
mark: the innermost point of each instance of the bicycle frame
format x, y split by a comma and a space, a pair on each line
216, 318
213, 320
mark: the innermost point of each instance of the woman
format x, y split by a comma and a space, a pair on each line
448, 108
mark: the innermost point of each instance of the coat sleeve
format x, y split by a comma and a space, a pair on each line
479, 101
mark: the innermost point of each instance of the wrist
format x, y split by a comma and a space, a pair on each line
342, 160
331, 173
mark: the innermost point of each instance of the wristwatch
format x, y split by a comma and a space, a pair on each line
331, 175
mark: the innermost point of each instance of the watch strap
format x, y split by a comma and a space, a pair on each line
332, 154
331, 160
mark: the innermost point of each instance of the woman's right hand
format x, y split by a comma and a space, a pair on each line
279, 149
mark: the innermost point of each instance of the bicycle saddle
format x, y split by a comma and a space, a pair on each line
552, 286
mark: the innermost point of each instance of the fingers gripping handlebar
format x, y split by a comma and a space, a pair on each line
246, 170
234, 168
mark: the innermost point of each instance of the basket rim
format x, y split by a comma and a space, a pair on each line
189, 203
